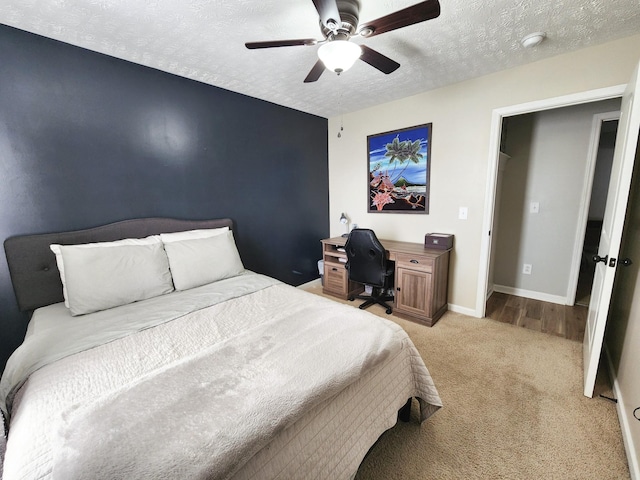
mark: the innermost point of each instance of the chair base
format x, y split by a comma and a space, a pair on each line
376, 297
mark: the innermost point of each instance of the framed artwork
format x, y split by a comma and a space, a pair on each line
399, 164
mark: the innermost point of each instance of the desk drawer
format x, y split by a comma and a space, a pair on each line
414, 262
335, 278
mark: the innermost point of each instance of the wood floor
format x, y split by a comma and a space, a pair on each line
559, 320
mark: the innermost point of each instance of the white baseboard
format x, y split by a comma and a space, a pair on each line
463, 310
489, 292
519, 292
630, 448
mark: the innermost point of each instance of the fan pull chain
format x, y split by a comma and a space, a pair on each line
341, 117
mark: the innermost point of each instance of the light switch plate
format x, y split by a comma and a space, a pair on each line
462, 213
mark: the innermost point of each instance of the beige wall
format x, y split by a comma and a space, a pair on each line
461, 117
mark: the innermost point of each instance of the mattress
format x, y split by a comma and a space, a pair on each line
244, 378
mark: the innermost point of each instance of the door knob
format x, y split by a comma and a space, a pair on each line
625, 262
598, 258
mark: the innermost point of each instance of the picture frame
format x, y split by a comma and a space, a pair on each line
399, 164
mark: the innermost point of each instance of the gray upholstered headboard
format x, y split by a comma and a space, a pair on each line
32, 264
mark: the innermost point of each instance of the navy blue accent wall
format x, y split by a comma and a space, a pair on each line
87, 139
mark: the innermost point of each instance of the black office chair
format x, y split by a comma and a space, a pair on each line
367, 264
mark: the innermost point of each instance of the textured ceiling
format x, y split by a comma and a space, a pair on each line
204, 40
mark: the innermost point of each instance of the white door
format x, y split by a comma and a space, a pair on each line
621, 170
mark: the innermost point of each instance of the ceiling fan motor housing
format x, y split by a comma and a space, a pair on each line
349, 15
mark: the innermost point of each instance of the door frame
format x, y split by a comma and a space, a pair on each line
497, 117
583, 215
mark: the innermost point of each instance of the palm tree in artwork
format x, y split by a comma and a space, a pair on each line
401, 152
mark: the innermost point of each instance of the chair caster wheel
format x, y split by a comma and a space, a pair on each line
351, 299
388, 311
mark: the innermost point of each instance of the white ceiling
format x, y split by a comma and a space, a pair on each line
204, 40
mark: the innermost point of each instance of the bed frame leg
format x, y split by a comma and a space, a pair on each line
404, 414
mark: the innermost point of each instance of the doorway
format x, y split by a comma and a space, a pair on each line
542, 199
627, 141
492, 172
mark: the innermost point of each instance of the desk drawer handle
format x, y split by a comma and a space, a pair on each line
414, 261
334, 269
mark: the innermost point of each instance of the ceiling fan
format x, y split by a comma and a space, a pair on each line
339, 22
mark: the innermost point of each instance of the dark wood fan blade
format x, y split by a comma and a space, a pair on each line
377, 60
281, 43
315, 72
328, 11
407, 16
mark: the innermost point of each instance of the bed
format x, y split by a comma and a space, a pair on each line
168, 359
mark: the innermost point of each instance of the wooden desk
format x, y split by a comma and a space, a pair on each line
421, 277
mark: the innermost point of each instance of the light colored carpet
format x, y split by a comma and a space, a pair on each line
513, 409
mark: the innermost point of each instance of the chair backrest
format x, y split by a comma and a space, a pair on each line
366, 258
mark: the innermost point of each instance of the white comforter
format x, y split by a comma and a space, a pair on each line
200, 396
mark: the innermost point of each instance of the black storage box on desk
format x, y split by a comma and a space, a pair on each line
439, 241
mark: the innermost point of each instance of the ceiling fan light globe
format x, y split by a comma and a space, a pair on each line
339, 55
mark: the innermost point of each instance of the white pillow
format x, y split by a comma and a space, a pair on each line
192, 234
55, 248
203, 260
102, 278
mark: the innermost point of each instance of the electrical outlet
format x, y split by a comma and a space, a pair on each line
526, 269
